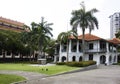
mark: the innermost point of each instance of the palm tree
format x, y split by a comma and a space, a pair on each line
42, 33
63, 37
84, 19
117, 34
37, 36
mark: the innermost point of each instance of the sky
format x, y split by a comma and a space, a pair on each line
58, 12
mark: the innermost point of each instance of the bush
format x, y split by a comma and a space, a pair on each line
60, 63
81, 64
74, 64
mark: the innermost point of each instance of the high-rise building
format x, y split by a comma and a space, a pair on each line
114, 24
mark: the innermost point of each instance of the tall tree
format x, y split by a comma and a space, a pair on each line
42, 33
84, 19
37, 36
63, 37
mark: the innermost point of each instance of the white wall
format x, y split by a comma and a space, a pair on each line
96, 56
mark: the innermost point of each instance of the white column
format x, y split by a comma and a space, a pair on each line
97, 58
98, 47
116, 56
60, 58
77, 46
55, 57
107, 59
70, 42
60, 49
107, 46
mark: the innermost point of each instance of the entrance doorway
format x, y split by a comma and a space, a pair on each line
80, 58
63, 59
73, 58
118, 58
102, 59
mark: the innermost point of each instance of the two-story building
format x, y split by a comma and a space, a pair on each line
10, 25
98, 49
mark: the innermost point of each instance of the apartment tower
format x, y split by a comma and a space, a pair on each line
114, 24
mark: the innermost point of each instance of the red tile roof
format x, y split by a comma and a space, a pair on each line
115, 41
11, 21
88, 37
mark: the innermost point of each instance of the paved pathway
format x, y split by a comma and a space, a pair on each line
102, 75
27, 75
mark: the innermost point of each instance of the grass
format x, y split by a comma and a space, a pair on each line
7, 79
49, 70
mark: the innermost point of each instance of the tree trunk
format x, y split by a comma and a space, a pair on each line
83, 43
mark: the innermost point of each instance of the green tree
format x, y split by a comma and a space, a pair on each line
29, 41
38, 36
9, 41
117, 34
84, 19
50, 48
42, 33
63, 37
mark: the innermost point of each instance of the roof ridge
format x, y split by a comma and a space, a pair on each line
11, 21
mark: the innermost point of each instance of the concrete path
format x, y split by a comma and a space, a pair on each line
102, 75
27, 75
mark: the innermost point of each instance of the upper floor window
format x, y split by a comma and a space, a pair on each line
64, 47
74, 46
102, 45
91, 46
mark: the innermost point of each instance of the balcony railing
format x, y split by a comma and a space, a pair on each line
89, 50
95, 50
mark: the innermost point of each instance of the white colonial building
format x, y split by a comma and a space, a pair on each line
98, 49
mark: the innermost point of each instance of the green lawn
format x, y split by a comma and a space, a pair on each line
7, 79
55, 69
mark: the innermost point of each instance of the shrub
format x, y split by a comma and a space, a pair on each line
74, 64
81, 64
60, 63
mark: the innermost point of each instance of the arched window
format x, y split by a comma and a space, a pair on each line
114, 58
73, 58
110, 59
80, 58
63, 59
102, 59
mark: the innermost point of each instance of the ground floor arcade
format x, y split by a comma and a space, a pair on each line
100, 58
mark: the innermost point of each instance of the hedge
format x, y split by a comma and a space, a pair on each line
61, 63
78, 64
